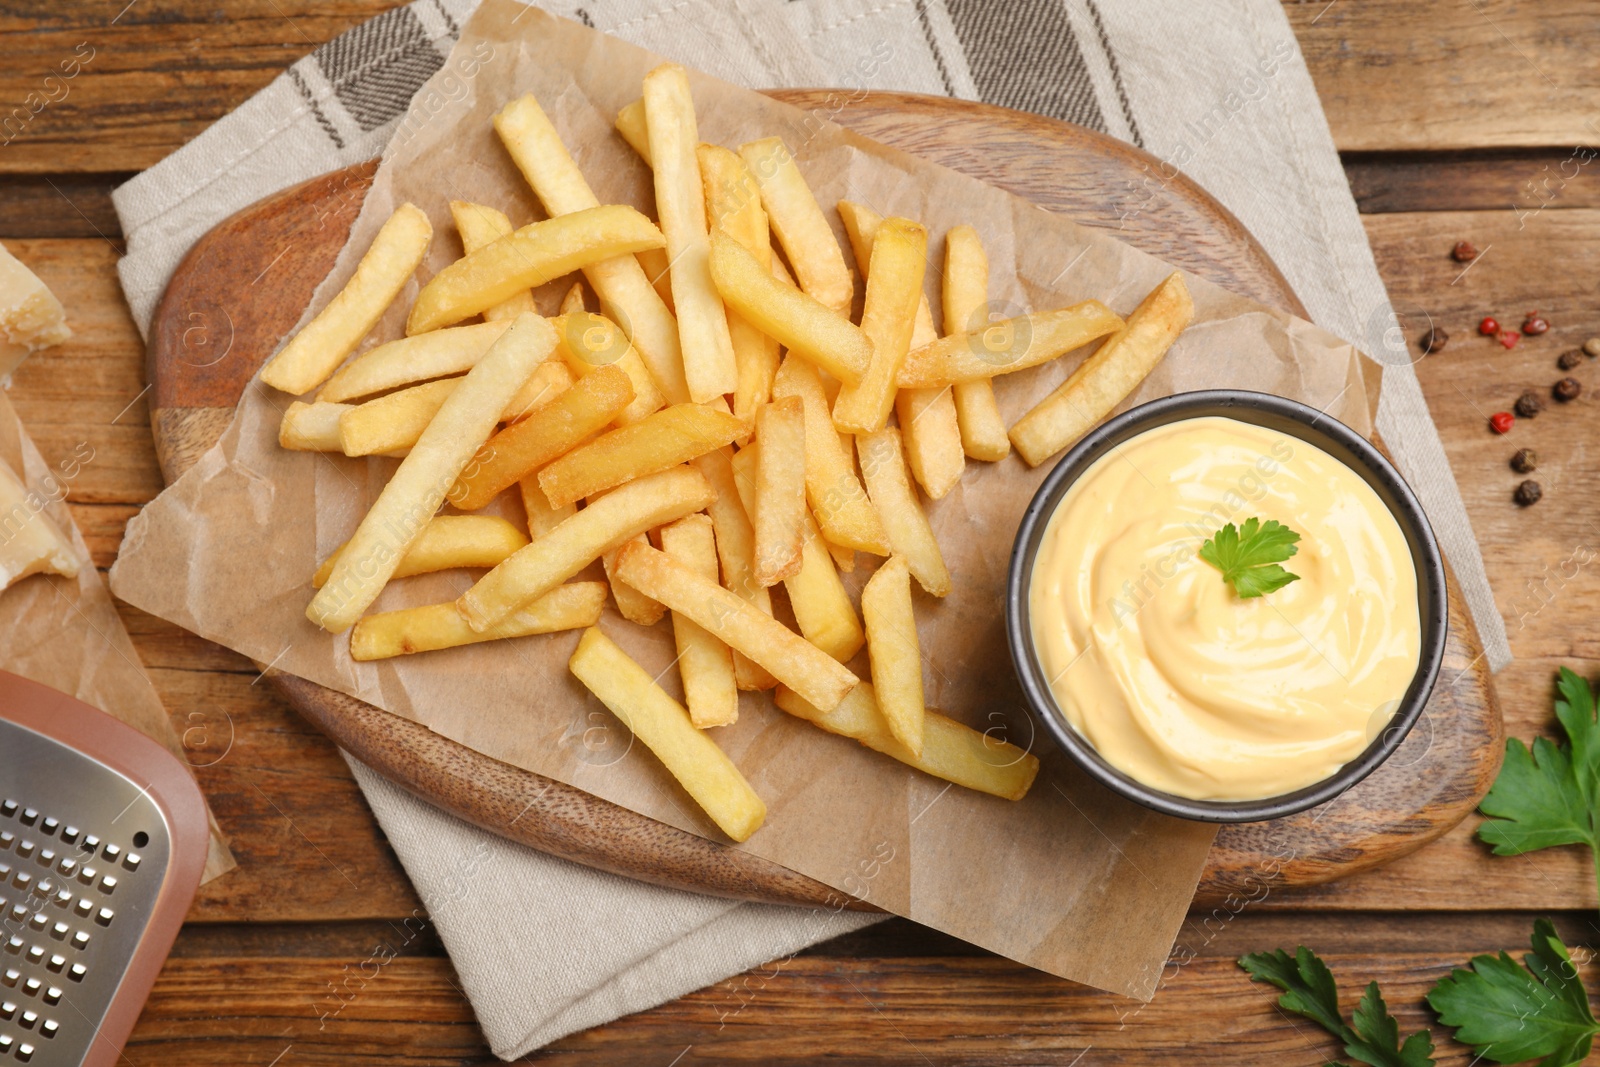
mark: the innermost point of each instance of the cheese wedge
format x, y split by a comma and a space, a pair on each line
29, 542
31, 317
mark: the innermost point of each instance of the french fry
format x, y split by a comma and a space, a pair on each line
950, 750
631, 604
658, 270
481, 225
549, 433
324, 342
927, 416
821, 606
409, 360
542, 518
807, 328
690, 756
1008, 346
796, 218
780, 489
589, 342
413, 495
1106, 378
436, 626
573, 300
564, 551
733, 203
894, 651
312, 427
884, 468
529, 257
843, 558
663, 440
394, 422
792, 659
841, 506
631, 125
736, 548
447, 542
708, 363
704, 663
894, 288
966, 300
626, 295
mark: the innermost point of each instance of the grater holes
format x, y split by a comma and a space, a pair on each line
10, 977
32, 987
8, 808
77, 972
27, 1019
56, 962
35, 953
24, 848
111, 852
50, 826
108, 884
7, 839
14, 945
131, 861
29, 816
52, 995
6, 1041
70, 834
7, 1009
67, 866
49, 1028
24, 1052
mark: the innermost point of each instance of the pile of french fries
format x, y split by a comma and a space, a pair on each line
724, 427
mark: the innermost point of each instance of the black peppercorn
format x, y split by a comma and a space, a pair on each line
1528, 493
1528, 405
1567, 389
1570, 358
1525, 461
1433, 340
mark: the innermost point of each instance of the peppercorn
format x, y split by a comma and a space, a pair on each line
1567, 389
1488, 327
1500, 422
1433, 340
1527, 494
1528, 405
1464, 252
1534, 323
1509, 338
1570, 358
1591, 347
1525, 461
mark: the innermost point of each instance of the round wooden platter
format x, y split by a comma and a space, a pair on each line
206, 343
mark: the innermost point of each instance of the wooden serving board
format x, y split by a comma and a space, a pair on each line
237, 293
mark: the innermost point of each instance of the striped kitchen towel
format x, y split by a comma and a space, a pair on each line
1215, 88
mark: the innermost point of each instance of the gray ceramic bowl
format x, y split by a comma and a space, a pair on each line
1296, 420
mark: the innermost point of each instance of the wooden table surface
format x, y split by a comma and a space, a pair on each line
1454, 119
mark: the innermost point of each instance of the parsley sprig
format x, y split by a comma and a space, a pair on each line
1248, 557
1371, 1037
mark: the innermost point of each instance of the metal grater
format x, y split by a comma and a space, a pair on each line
103, 838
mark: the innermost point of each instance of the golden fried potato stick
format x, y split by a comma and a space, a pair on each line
733, 203
797, 219
523, 448
542, 518
631, 604
589, 342
573, 300
394, 422
966, 303
841, 506
1008, 346
1105, 379
435, 626
792, 659
736, 548
312, 427
529, 257
894, 289
481, 225
704, 663
665, 439
413, 495
884, 468
780, 489
409, 360
950, 750
657, 268
820, 603
631, 125
603, 525
626, 295
323, 343
447, 542
708, 361
805, 327
895, 653
690, 756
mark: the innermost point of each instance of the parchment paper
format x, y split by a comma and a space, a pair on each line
65, 632
1071, 880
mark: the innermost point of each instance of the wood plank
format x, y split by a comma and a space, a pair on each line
60, 205
1511, 179
1398, 74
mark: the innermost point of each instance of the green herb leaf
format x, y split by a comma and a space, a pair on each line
1309, 990
1248, 557
1546, 796
1511, 1014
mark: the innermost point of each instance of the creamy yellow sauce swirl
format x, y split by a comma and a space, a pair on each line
1172, 677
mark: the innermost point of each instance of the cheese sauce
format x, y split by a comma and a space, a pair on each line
1172, 677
